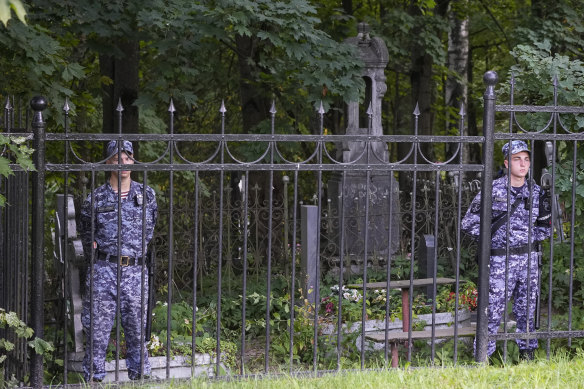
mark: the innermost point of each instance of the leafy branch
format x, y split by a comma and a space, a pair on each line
14, 149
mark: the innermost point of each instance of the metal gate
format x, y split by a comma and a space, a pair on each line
218, 222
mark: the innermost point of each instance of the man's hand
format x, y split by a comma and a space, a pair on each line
544, 217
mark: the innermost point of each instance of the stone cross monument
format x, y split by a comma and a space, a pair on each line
373, 53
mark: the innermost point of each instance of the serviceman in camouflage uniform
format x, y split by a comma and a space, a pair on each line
530, 223
99, 309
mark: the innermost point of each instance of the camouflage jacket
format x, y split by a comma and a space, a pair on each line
105, 216
521, 226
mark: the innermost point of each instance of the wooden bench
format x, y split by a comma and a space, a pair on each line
395, 337
404, 285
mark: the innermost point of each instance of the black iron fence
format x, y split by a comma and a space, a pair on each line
289, 259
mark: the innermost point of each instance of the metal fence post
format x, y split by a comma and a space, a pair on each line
38, 104
482, 335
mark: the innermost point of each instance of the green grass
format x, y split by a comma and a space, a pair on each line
560, 372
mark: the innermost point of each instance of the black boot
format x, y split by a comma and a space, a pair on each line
526, 355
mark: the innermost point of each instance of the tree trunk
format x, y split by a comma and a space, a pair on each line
255, 106
474, 150
456, 91
123, 71
421, 78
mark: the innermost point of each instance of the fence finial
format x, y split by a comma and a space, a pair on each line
370, 110
273, 108
66, 107
222, 109
38, 104
490, 78
461, 112
417, 110
119, 108
171, 106
8, 106
321, 109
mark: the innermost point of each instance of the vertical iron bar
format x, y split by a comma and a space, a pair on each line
38, 104
508, 222
388, 268
143, 275
119, 109
293, 283
64, 246
435, 265
92, 260
572, 237
482, 335
321, 145
458, 240
417, 149
222, 110
172, 146
366, 235
245, 269
195, 266
269, 253
286, 215
341, 269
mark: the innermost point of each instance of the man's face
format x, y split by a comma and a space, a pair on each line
520, 163
124, 160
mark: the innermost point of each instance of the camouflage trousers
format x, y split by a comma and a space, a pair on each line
518, 285
98, 324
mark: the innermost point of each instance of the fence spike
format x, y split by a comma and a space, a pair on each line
273, 108
461, 112
321, 109
171, 106
8, 106
417, 110
66, 107
370, 110
119, 108
222, 109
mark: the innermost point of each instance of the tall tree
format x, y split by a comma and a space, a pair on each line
425, 53
456, 90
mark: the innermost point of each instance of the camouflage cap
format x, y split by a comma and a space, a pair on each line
112, 147
517, 146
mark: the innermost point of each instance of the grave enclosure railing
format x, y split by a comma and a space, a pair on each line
210, 228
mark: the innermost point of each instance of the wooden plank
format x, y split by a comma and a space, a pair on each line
379, 336
401, 284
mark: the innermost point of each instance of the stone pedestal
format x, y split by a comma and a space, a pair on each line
376, 223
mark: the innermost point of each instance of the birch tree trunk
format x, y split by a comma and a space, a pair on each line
456, 90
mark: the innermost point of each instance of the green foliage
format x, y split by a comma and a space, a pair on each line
535, 71
6, 8
11, 321
467, 298
17, 152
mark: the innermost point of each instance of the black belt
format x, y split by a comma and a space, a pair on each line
514, 250
124, 260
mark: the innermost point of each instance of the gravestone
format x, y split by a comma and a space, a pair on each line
427, 261
365, 119
309, 256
